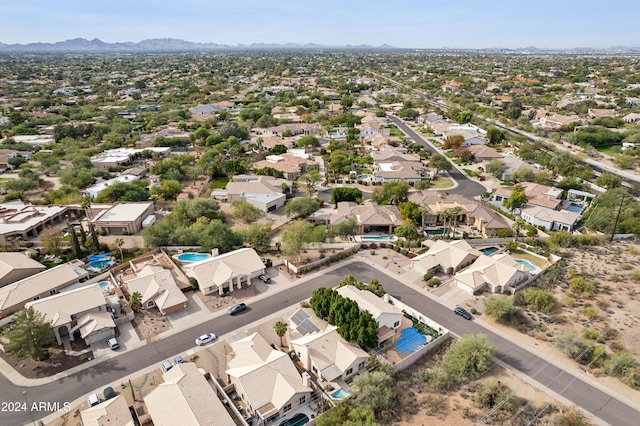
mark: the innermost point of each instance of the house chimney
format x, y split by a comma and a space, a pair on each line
215, 252
306, 379
304, 356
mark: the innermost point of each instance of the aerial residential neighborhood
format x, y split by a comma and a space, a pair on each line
194, 233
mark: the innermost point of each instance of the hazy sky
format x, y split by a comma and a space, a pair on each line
399, 23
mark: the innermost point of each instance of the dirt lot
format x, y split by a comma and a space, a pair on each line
57, 363
149, 324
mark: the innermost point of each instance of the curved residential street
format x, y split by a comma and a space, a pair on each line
82, 383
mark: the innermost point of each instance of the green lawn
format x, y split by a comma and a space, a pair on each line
470, 173
507, 183
219, 183
441, 183
394, 131
609, 149
535, 260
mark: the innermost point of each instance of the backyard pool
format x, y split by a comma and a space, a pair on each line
298, 419
99, 265
410, 341
488, 251
339, 394
573, 207
439, 231
192, 257
104, 285
377, 238
363, 177
526, 264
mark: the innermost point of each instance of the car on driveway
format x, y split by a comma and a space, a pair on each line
463, 313
205, 339
236, 309
113, 343
94, 400
108, 393
264, 278
166, 366
178, 360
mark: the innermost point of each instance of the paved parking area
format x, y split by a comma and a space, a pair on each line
196, 311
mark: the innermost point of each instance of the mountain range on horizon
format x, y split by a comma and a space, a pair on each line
81, 45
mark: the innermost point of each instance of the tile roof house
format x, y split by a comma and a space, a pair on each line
449, 256
495, 273
386, 315
537, 195
555, 120
113, 412
186, 398
291, 166
221, 273
158, 289
263, 192
266, 379
549, 219
484, 154
329, 356
83, 309
392, 165
370, 217
15, 266
43, 284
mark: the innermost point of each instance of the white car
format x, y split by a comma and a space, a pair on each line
205, 338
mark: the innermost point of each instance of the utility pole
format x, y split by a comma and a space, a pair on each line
615, 225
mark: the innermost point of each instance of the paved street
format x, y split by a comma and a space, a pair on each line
76, 385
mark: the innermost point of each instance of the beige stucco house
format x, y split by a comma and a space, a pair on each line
15, 266
123, 218
113, 412
370, 217
495, 273
448, 256
158, 289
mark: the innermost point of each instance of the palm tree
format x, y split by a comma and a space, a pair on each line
135, 301
447, 214
518, 225
14, 242
119, 242
454, 213
280, 328
86, 206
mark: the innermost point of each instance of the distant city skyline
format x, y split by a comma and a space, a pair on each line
400, 23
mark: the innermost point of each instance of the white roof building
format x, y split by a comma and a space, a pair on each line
94, 190
221, 273
18, 219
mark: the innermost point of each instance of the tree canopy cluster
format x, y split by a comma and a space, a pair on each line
353, 324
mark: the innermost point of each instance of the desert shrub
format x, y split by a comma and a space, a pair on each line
427, 277
620, 364
494, 393
437, 378
536, 298
499, 307
581, 286
590, 333
433, 282
590, 312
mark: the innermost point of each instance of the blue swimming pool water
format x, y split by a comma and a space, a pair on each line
339, 394
573, 207
104, 284
363, 177
489, 250
526, 263
377, 238
99, 264
193, 257
298, 419
435, 231
410, 341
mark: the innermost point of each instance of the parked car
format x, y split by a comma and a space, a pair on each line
463, 313
237, 308
267, 262
93, 400
166, 366
205, 338
264, 278
178, 360
108, 393
113, 343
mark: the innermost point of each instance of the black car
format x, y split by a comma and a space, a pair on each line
109, 393
463, 313
264, 278
235, 309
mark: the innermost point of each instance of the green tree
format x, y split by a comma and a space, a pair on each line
168, 189
294, 236
410, 210
245, 210
495, 135
496, 167
608, 181
118, 243
498, 307
523, 174
346, 194
440, 163
28, 336
494, 393
345, 228
135, 301
469, 357
311, 179
391, 193
123, 191
257, 236
51, 240
280, 328
408, 230
517, 198
620, 364
308, 141
374, 390
301, 207
346, 415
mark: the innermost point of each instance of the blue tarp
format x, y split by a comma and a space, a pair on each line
95, 257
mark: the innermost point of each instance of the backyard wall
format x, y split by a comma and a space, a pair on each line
351, 249
411, 359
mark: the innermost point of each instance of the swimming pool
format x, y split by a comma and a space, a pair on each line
192, 257
99, 265
410, 341
439, 231
104, 284
573, 207
377, 238
526, 264
363, 177
339, 394
488, 251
